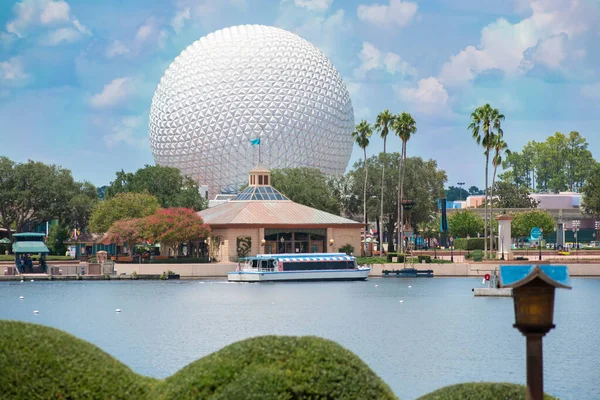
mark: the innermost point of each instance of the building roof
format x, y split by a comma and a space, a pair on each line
270, 212
29, 247
87, 237
260, 193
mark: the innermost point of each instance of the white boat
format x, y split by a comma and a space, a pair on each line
299, 267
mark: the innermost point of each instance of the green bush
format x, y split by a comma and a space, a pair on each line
480, 391
370, 260
184, 260
277, 367
440, 261
427, 259
35, 257
473, 244
134, 276
347, 248
39, 362
394, 254
60, 366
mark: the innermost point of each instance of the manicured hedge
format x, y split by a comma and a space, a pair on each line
35, 257
394, 254
427, 259
480, 391
474, 244
39, 362
277, 367
370, 260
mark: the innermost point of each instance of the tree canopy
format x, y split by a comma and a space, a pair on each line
165, 183
591, 193
525, 221
33, 192
122, 206
465, 223
454, 193
307, 186
562, 162
508, 195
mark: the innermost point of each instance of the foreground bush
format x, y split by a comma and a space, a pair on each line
39, 362
480, 391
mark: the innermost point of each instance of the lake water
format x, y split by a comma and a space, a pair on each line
439, 335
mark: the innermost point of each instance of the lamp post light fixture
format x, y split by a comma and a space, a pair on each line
451, 240
468, 248
533, 294
502, 246
262, 242
540, 243
331, 242
576, 225
460, 184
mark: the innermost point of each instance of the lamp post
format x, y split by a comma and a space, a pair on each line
533, 294
540, 243
502, 246
468, 248
576, 225
451, 248
460, 185
282, 241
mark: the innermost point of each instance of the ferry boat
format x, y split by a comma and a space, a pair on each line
299, 267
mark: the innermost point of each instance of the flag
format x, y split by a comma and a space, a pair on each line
255, 141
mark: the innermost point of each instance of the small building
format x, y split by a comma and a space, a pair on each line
266, 221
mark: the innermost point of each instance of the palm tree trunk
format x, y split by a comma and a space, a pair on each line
381, 207
365, 204
402, 196
492, 210
485, 220
398, 226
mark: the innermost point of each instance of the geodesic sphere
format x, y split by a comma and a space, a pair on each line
243, 83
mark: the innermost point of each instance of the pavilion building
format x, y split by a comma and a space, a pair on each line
267, 222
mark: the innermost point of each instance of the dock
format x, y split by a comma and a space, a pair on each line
492, 292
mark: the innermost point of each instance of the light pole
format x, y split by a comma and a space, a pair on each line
282, 241
502, 246
540, 242
533, 294
451, 248
460, 184
576, 225
468, 248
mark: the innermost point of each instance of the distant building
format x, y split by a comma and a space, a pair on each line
275, 224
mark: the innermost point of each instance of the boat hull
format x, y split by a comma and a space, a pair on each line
281, 276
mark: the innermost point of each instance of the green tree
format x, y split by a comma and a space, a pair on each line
454, 193
404, 127
509, 195
127, 232
383, 122
343, 190
56, 239
591, 193
475, 191
465, 223
307, 186
361, 137
122, 206
485, 125
524, 222
33, 192
165, 183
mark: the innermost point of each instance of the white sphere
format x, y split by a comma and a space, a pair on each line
245, 82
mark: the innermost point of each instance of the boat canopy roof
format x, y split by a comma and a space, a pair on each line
295, 257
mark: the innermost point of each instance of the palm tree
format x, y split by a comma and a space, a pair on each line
485, 124
361, 137
501, 148
382, 124
404, 126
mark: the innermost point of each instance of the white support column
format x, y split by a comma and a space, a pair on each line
504, 236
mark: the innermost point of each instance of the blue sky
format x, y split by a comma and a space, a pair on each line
77, 77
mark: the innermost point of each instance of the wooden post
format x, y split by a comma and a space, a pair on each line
535, 368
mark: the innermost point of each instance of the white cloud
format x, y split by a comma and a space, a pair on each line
55, 12
179, 19
551, 52
312, 5
117, 48
12, 70
36, 16
145, 31
397, 12
125, 131
504, 46
591, 90
428, 97
113, 93
372, 58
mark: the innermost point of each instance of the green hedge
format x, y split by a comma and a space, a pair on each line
473, 243
480, 391
40, 362
183, 260
370, 260
427, 259
394, 254
35, 257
